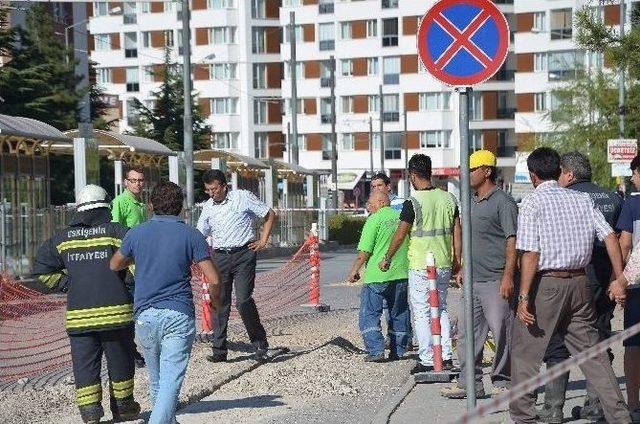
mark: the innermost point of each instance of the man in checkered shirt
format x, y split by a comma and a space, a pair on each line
556, 231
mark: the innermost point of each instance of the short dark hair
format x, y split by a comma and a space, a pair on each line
635, 163
420, 165
577, 163
544, 162
136, 168
211, 175
167, 198
381, 176
493, 175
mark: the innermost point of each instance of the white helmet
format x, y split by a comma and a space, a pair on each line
92, 197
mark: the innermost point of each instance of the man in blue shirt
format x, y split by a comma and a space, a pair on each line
382, 183
629, 227
163, 250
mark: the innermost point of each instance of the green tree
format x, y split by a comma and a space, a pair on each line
163, 121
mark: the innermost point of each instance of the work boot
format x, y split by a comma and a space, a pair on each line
592, 409
554, 392
454, 391
91, 414
124, 409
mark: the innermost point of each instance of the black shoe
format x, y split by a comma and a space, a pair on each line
447, 365
91, 414
261, 355
375, 358
217, 358
126, 410
421, 368
138, 359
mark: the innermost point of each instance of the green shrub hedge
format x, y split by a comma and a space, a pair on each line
345, 228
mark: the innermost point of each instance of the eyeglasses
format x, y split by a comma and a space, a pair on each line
136, 180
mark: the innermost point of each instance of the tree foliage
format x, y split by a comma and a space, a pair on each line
163, 120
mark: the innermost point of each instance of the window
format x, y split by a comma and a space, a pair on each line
130, 44
223, 71
374, 103
389, 32
392, 145
554, 101
103, 75
133, 84
327, 151
372, 66
539, 22
389, 4
222, 35
325, 6
325, 110
259, 75
325, 73
435, 139
258, 9
168, 38
102, 42
259, 111
540, 102
299, 107
258, 40
475, 140
224, 106
299, 70
347, 104
475, 106
145, 7
129, 14
346, 141
539, 62
146, 39
299, 32
434, 101
261, 145
391, 108
372, 28
345, 30
224, 140
147, 74
346, 67
100, 8
132, 112
391, 69
302, 142
168, 6
562, 65
220, 4
561, 24
326, 36
291, 3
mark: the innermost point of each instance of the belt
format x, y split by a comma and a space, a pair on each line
562, 273
229, 250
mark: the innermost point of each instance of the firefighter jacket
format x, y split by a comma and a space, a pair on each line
76, 260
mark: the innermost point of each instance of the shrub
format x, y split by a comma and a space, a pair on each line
345, 228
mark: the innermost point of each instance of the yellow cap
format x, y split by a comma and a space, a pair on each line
482, 158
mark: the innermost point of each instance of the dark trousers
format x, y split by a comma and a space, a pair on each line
563, 306
86, 355
237, 268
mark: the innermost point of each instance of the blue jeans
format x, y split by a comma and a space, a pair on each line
371, 300
166, 337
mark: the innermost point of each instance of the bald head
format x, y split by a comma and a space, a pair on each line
378, 200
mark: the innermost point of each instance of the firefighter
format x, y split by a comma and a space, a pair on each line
99, 317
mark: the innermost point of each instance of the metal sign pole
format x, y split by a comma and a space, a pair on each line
465, 200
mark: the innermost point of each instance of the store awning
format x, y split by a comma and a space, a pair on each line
27, 128
202, 159
347, 178
120, 144
287, 167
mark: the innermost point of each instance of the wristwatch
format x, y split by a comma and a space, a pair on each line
523, 297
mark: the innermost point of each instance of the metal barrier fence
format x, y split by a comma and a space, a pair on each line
22, 233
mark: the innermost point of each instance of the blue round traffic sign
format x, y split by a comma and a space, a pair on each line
463, 42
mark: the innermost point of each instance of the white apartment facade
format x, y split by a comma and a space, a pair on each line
374, 42
235, 60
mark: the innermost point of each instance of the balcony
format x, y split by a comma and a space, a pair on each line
503, 1
129, 53
325, 82
505, 75
506, 112
562, 74
507, 151
325, 45
391, 116
561, 33
130, 18
389, 40
391, 79
325, 118
325, 8
392, 154
389, 4
133, 87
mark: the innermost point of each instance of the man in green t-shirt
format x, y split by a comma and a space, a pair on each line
128, 208
380, 286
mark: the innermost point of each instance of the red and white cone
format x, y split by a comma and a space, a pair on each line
434, 304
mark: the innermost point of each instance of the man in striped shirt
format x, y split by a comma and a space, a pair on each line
556, 230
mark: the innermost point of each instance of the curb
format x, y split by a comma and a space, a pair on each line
384, 414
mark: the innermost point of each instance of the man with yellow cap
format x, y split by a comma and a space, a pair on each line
494, 217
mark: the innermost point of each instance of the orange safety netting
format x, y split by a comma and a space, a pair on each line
33, 339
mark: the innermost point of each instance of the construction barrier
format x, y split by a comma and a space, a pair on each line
314, 263
550, 374
434, 304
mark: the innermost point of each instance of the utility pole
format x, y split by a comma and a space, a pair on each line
381, 105
334, 141
294, 88
406, 156
371, 144
188, 120
621, 78
289, 143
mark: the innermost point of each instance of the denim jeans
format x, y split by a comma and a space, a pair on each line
371, 300
166, 337
419, 298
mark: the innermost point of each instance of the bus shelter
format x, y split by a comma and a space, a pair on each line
25, 189
298, 186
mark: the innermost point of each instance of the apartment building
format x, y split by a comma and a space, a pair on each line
374, 43
237, 69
